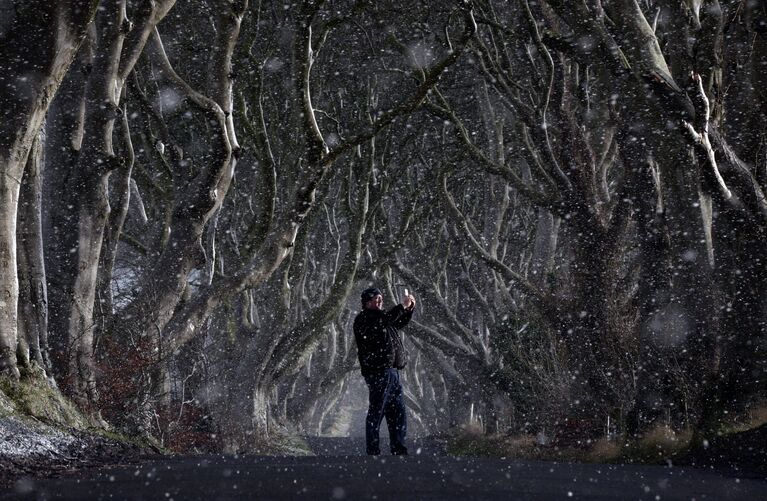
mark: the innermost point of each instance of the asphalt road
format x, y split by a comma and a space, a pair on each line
423, 476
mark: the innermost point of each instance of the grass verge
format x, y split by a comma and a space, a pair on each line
657, 446
282, 445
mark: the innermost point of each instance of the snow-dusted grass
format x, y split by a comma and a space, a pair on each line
41, 433
7, 406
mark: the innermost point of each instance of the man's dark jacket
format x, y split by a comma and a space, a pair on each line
378, 344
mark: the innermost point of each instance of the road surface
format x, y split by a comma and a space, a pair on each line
340, 473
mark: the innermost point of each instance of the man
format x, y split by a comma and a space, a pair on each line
382, 355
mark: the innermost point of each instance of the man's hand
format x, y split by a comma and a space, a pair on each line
408, 302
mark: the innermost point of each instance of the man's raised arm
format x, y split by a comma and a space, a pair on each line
400, 315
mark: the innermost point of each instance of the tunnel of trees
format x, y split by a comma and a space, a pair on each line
192, 195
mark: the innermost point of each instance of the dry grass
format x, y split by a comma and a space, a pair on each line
471, 441
755, 417
758, 415
658, 444
603, 450
281, 445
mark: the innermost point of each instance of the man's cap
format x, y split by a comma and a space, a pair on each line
370, 293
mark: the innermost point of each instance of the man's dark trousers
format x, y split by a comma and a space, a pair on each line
386, 400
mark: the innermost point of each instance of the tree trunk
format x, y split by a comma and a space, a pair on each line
593, 331
120, 199
93, 213
10, 173
33, 296
260, 414
90, 181
64, 126
114, 53
739, 381
546, 236
652, 282
55, 30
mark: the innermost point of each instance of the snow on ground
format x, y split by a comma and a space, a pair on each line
30, 448
20, 440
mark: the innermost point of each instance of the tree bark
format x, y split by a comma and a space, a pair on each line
120, 198
56, 31
114, 53
33, 295
546, 236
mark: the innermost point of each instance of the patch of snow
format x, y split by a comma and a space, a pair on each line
20, 439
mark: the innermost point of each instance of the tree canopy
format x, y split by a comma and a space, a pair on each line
194, 193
